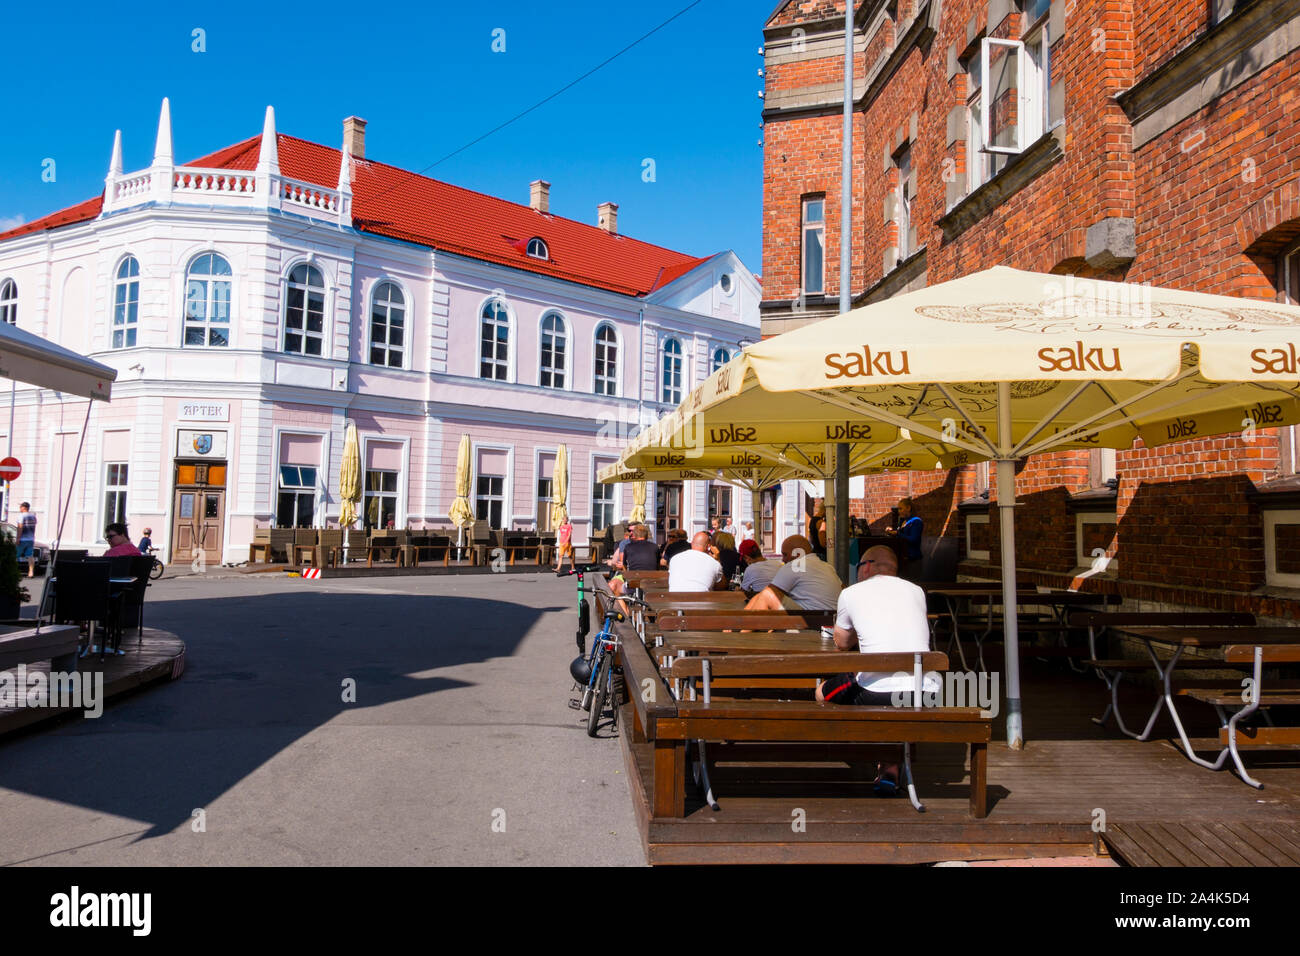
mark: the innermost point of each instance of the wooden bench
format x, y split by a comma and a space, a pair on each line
524, 546
56, 643
670, 724
1112, 669
665, 620
646, 580
1232, 735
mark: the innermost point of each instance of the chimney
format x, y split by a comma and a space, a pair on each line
354, 136
539, 195
607, 217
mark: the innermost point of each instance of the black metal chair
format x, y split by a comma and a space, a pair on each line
84, 595
134, 594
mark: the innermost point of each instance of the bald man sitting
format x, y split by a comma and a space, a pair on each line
805, 583
696, 569
882, 614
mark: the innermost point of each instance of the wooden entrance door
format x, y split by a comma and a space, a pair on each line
668, 507
769, 496
199, 511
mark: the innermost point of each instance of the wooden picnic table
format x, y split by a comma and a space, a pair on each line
729, 642
1181, 638
991, 594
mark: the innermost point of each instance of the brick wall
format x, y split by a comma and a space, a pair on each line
1214, 199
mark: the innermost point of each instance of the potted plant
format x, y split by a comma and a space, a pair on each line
12, 592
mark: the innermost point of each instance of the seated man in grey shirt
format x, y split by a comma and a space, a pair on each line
759, 571
806, 583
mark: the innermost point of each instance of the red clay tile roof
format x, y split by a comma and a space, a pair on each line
393, 202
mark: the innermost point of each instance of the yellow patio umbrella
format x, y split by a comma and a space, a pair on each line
1004, 364
560, 487
462, 516
349, 477
638, 501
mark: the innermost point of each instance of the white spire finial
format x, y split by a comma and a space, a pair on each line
162, 150
268, 152
115, 164
345, 171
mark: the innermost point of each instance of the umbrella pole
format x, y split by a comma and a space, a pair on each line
842, 512
756, 503
1007, 543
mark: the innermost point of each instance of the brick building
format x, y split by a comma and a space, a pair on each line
1145, 142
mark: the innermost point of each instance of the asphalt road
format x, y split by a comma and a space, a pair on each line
460, 747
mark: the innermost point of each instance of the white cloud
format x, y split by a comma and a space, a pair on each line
11, 222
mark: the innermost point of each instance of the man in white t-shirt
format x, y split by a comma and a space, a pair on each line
805, 583
881, 614
696, 569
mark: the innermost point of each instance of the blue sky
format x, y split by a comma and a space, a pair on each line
428, 82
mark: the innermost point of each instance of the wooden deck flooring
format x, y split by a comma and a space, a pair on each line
1043, 800
161, 656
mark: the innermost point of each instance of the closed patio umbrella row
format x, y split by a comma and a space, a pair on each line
1000, 365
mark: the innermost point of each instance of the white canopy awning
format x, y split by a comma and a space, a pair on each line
29, 358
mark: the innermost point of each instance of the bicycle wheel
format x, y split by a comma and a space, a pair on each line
157, 570
602, 690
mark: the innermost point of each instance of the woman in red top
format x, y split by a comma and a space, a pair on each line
564, 544
118, 542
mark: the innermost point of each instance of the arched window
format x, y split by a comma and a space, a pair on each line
672, 380
9, 301
537, 248
207, 301
606, 371
555, 351
721, 357
126, 303
387, 326
494, 341
304, 311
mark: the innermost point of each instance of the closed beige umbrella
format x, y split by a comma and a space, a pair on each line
560, 487
638, 501
350, 477
460, 512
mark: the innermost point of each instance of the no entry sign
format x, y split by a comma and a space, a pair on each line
10, 468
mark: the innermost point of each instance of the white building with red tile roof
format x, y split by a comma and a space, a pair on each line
257, 300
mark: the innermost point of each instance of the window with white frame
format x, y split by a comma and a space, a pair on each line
387, 326
602, 503
304, 311
380, 500
979, 165
537, 248
115, 493
494, 341
905, 204
719, 500
1016, 74
545, 498
554, 358
721, 357
814, 246
9, 301
671, 392
207, 302
126, 303
490, 500
606, 370
296, 504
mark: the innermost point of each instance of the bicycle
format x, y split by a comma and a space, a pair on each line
584, 609
156, 571
601, 672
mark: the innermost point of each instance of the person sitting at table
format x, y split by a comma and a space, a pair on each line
616, 560
724, 549
674, 546
119, 543
640, 553
805, 583
759, 570
910, 529
882, 614
696, 569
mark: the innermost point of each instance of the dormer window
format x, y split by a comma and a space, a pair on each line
537, 248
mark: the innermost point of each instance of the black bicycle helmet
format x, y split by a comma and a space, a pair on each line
580, 669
